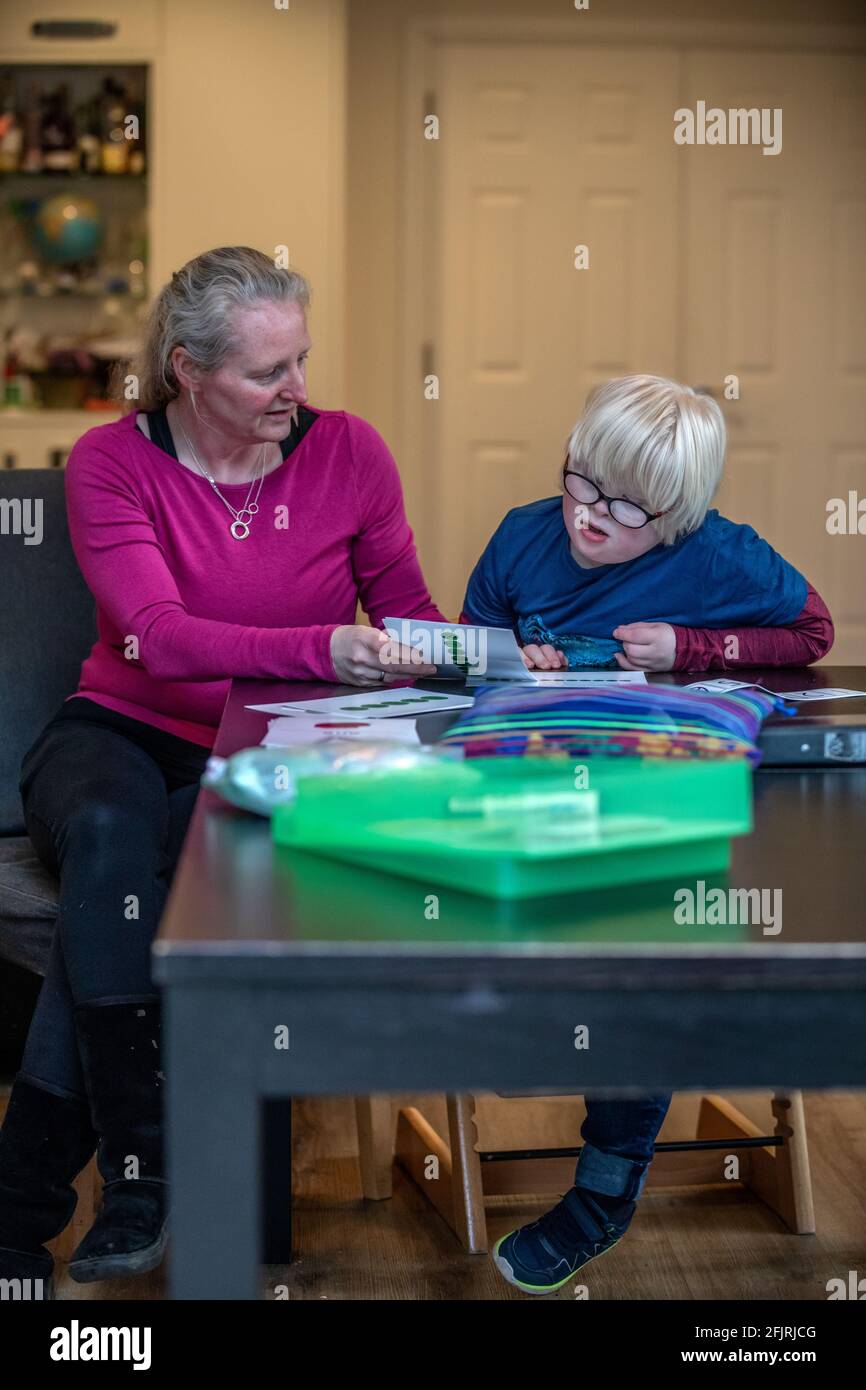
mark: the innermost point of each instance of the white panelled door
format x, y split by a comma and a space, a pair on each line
703, 262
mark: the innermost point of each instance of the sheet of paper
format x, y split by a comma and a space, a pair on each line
720, 685
299, 729
378, 703
569, 678
461, 649
828, 694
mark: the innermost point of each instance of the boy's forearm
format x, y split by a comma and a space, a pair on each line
807, 639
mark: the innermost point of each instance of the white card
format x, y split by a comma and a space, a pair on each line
302, 729
828, 694
720, 685
377, 703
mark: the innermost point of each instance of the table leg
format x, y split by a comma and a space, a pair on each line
213, 1120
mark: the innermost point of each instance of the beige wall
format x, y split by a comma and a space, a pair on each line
250, 148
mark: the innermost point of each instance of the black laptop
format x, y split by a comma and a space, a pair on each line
813, 740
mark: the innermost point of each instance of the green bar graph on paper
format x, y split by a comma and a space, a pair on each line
456, 651
391, 703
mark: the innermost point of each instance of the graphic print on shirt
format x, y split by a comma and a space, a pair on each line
582, 653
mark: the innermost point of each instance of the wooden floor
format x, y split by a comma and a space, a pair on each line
714, 1243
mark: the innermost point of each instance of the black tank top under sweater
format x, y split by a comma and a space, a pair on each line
160, 431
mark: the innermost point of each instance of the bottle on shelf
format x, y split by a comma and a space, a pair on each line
11, 134
17, 385
137, 158
136, 254
59, 147
136, 132
89, 145
31, 162
115, 146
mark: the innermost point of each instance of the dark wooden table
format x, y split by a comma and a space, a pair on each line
377, 998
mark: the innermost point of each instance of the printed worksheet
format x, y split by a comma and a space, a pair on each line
488, 655
459, 650
300, 729
376, 703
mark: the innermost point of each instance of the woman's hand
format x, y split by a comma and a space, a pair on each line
543, 657
648, 646
360, 655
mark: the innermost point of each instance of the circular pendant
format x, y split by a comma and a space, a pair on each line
240, 530
252, 508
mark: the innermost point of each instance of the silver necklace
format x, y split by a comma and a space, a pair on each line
240, 527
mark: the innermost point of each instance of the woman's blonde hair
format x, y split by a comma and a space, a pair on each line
655, 441
195, 309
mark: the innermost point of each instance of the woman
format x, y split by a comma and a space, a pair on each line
225, 528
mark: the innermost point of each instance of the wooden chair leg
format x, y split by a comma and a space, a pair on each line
449, 1174
778, 1175
426, 1158
794, 1191
470, 1221
375, 1121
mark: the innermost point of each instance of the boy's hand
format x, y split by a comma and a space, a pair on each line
648, 646
543, 657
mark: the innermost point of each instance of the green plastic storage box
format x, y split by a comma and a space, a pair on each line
528, 827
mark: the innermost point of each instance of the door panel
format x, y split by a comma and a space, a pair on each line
774, 293
542, 149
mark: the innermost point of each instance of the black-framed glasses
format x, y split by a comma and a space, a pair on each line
627, 513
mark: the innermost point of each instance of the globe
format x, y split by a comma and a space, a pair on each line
68, 228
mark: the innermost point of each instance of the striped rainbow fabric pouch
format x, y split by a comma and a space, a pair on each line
655, 721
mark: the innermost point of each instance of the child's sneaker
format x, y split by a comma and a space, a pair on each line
543, 1256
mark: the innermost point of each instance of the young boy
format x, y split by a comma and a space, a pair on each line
630, 568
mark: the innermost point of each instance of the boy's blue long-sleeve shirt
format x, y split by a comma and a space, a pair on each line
721, 575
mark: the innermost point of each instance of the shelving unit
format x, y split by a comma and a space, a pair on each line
71, 297
224, 164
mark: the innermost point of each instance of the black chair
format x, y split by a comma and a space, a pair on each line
47, 627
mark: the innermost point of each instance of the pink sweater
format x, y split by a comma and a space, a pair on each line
182, 606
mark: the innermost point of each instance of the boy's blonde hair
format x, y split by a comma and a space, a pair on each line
656, 442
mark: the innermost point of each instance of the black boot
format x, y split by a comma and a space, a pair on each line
45, 1141
120, 1054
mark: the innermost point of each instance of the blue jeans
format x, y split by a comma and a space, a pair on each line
618, 1143
107, 802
